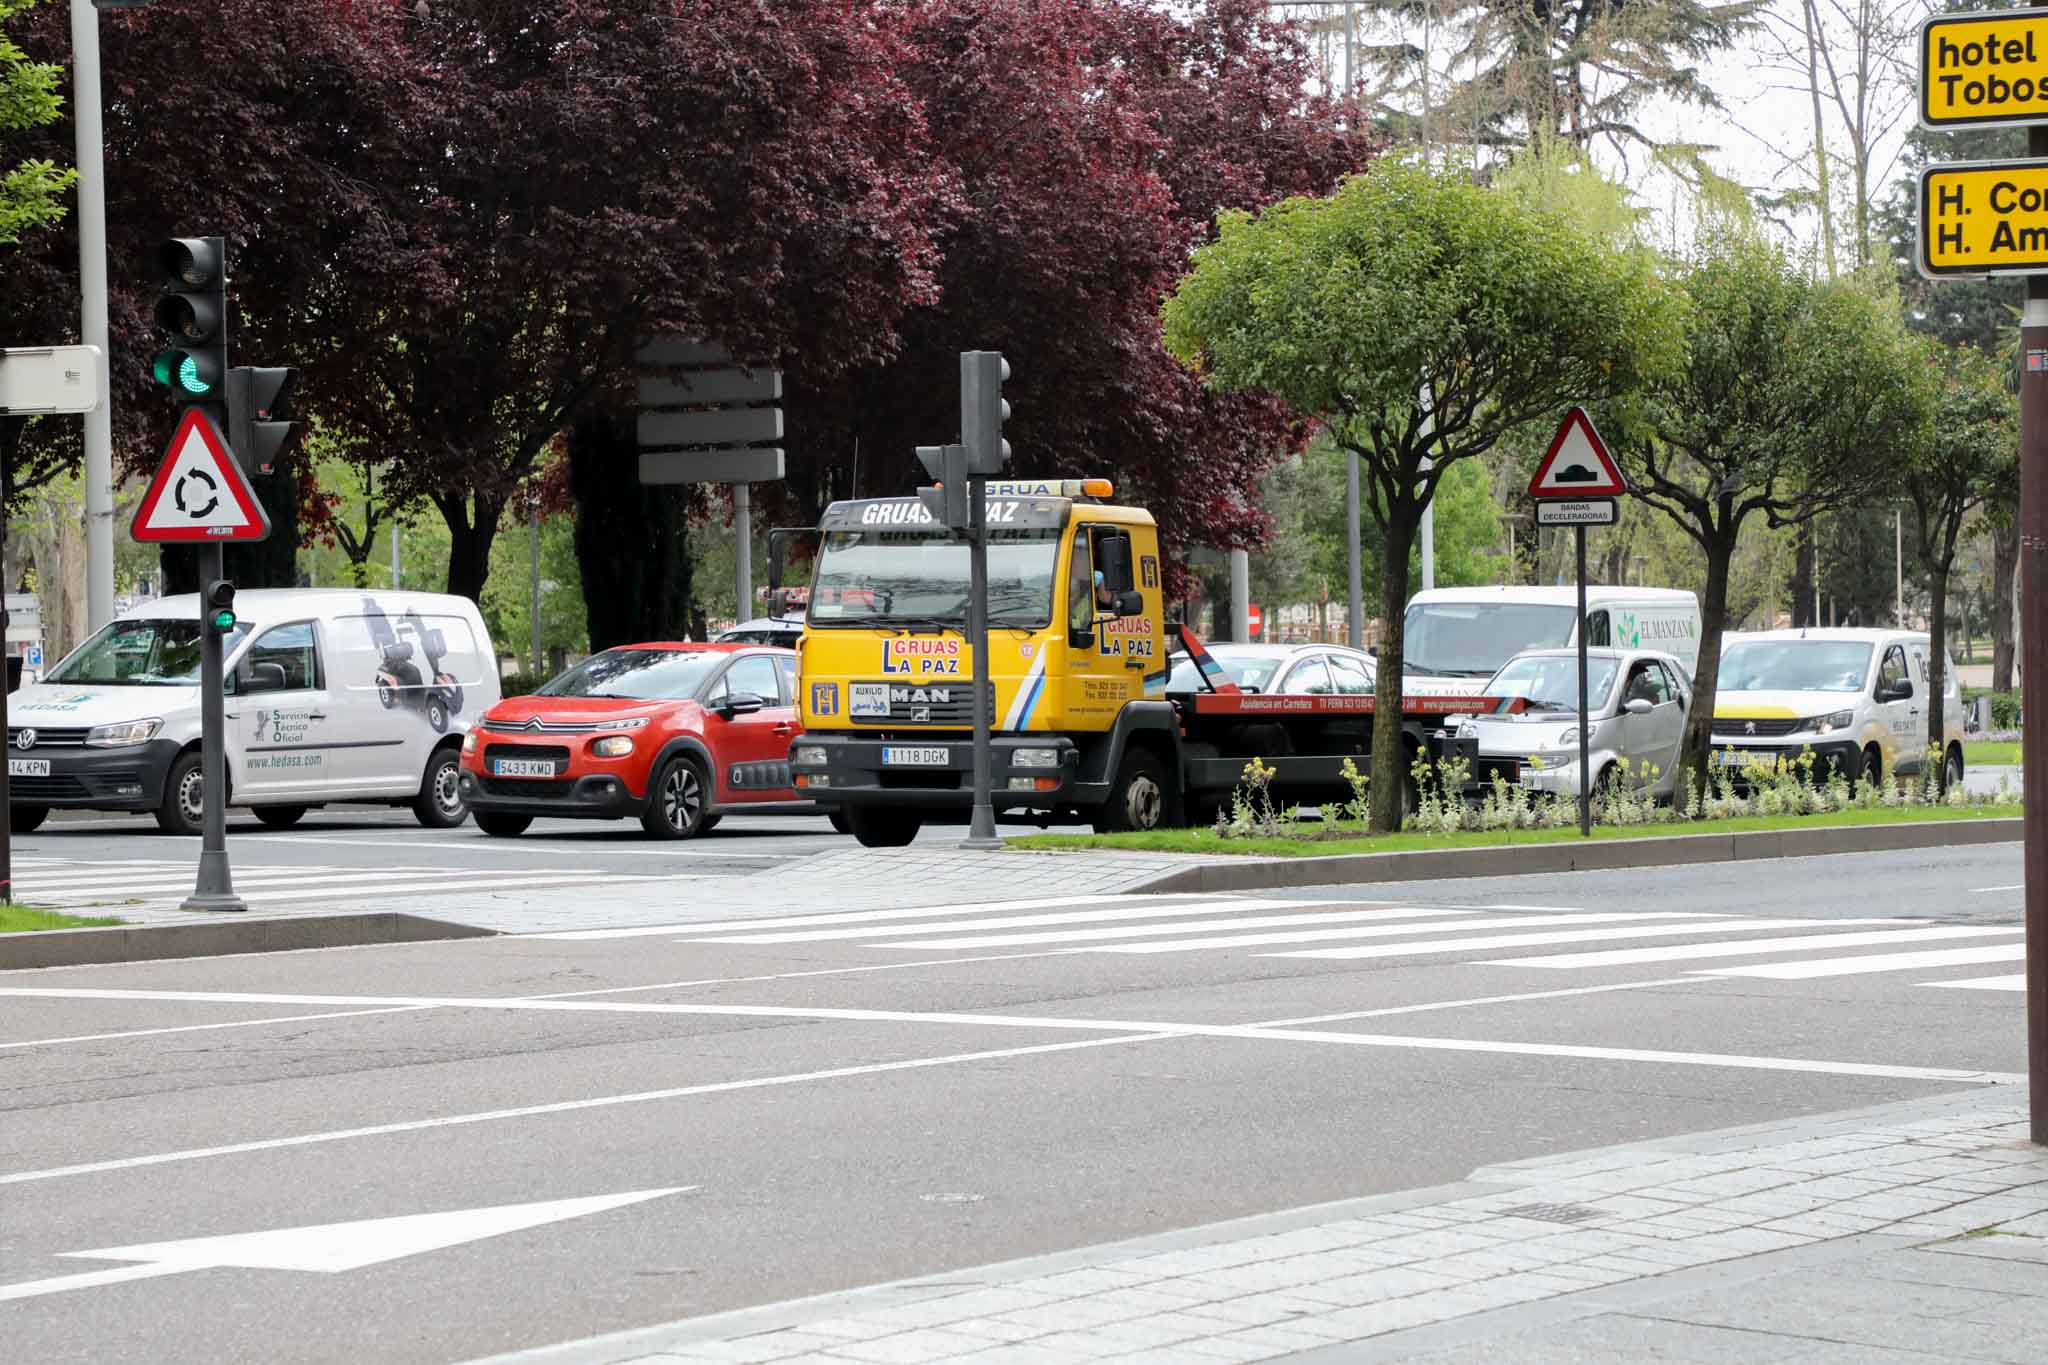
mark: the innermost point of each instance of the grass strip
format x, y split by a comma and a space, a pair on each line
20, 919
1205, 841
1979, 753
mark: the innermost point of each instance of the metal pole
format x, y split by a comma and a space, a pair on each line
215, 889
1356, 602
981, 824
2033, 576
533, 602
6, 652
1240, 595
743, 550
1585, 759
1899, 567
92, 326
395, 585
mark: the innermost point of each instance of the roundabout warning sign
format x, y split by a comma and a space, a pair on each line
198, 495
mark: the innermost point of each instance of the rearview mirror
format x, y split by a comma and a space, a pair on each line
1115, 551
1639, 706
1130, 603
740, 704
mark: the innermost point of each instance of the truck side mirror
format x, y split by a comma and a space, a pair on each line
1115, 552
776, 540
1130, 603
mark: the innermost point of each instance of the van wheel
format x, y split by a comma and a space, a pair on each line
280, 817
440, 804
1873, 768
22, 819
1139, 799
183, 810
837, 815
437, 715
502, 824
882, 828
675, 805
1952, 769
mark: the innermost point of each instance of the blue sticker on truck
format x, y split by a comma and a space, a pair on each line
825, 699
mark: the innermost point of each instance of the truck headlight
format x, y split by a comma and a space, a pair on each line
808, 756
1839, 720
1034, 758
612, 746
125, 733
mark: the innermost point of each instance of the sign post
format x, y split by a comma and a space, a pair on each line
1984, 220
1575, 486
200, 496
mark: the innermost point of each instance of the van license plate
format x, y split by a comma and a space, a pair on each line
28, 767
522, 767
1737, 758
914, 758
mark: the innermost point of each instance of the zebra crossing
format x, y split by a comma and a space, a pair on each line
1723, 945
155, 884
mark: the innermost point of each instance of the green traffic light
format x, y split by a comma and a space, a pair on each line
223, 621
179, 370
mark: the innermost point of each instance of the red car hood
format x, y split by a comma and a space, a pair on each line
580, 708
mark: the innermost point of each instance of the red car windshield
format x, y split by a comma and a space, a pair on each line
638, 674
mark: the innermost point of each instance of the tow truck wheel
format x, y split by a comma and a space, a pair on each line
882, 828
1138, 799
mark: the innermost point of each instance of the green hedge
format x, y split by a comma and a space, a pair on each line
2005, 706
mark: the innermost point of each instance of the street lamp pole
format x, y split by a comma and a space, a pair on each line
92, 326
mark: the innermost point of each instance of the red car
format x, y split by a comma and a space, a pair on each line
676, 734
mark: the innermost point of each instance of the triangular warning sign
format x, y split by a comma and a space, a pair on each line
199, 494
1577, 465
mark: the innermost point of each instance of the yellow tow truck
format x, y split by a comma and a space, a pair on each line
1078, 659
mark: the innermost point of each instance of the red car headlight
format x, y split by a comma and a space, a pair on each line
612, 746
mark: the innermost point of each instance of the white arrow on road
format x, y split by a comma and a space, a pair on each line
327, 1247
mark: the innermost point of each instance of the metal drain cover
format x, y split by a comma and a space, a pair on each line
1554, 1213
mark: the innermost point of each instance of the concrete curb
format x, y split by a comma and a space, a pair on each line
220, 937
1353, 869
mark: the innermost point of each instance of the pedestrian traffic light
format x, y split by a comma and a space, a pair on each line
947, 502
193, 308
220, 606
983, 411
259, 406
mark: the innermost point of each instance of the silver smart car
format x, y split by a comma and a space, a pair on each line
1636, 702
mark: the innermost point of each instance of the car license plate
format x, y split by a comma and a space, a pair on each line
867, 699
522, 767
28, 767
921, 757
1736, 758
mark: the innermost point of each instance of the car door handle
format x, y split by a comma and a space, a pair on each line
783, 727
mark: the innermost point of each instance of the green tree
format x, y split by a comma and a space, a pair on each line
1969, 453
1796, 396
32, 191
1410, 282
508, 592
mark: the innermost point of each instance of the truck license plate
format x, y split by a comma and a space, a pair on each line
522, 767
913, 758
28, 767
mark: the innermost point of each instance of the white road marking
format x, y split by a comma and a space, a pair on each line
1536, 940
1984, 983
1339, 925
844, 917
1884, 962
1980, 890
202, 1028
1622, 957
331, 1247
105, 888
1480, 1000
497, 846
444, 885
1094, 917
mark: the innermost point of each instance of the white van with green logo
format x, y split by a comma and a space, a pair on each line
1454, 639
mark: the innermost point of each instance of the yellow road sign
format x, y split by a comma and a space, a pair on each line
1984, 70
1983, 218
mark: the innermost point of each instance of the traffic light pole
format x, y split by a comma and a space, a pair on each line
2033, 574
981, 824
92, 329
215, 889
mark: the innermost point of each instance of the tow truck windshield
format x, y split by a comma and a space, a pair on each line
1472, 639
918, 578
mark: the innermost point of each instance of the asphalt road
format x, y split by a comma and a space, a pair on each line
802, 1102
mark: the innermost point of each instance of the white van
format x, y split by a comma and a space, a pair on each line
1454, 639
331, 696
1857, 698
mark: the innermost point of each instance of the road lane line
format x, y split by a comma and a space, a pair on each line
1537, 940
1087, 917
1523, 921
1384, 924
2016, 982
1867, 963
1480, 1000
445, 886
201, 1028
497, 846
851, 917
1980, 890
1623, 957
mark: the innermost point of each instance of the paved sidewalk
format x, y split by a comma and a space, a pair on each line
1910, 1233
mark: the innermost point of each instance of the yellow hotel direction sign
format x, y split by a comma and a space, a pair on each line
1984, 70
1984, 218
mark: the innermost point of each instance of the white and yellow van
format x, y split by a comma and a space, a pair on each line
1859, 699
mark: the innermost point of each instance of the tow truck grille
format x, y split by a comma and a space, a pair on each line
905, 709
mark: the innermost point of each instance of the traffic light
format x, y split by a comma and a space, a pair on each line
193, 308
983, 411
220, 606
259, 406
948, 501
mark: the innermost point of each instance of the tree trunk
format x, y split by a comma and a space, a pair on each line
2005, 562
1389, 753
1699, 725
472, 526
1937, 651
631, 541
1804, 565
1217, 590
